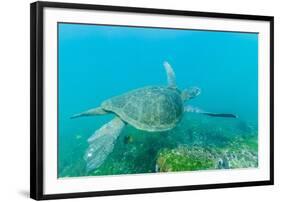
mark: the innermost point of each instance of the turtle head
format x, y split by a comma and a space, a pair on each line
190, 93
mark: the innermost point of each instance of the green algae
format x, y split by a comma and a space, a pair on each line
185, 159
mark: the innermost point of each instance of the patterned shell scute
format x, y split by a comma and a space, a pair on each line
151, 108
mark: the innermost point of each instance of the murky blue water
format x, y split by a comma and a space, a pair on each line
98, 62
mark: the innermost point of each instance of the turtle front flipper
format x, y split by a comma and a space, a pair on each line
171, 76
223, 115
101, 143
90, 112
191, 109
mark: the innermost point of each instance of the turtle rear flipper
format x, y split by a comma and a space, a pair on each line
101, 143
191, 109
90, 112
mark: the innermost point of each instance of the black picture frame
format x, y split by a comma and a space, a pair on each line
36, 98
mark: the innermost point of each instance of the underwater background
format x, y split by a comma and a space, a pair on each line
98, 62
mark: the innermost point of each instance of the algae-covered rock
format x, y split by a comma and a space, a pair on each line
238, 159
241, 153
185, 158
189, 158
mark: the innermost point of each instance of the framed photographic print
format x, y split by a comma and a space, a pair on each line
131, 100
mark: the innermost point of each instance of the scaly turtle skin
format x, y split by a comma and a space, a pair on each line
152, 108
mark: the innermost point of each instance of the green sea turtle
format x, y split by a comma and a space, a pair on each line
151, 108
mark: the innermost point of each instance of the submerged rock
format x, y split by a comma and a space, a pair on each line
239, 159
185, 158
189, 158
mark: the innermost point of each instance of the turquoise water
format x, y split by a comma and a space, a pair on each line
97, 62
